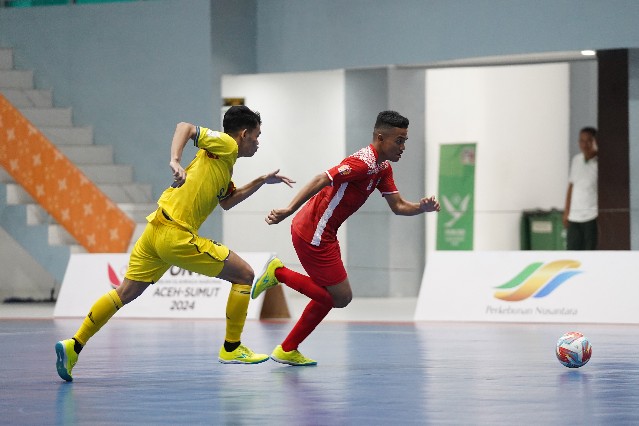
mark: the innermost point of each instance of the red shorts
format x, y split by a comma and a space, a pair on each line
323, 264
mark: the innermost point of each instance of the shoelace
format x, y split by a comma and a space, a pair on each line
297, 356
245, 351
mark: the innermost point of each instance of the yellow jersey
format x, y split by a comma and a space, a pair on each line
208, 180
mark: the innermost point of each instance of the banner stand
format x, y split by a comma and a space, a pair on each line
274, 305
455, 221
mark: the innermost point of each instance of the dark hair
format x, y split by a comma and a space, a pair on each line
590, 130
389, 119
238, 118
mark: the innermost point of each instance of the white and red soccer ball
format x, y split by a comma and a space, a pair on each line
573, 349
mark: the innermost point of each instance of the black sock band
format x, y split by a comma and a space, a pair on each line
77, 347
231, 346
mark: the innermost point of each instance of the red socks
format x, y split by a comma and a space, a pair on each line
305, 285
314, 313
317, 309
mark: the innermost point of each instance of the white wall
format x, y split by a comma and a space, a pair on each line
519, 118
302, 133
22, 277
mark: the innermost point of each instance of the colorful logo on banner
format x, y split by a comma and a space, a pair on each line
537, 280
114, 279
457, 197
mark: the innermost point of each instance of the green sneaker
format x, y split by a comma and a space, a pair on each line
293, 357
267, 279
241, 355
66, 358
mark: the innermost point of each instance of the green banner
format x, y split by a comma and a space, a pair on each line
456, 196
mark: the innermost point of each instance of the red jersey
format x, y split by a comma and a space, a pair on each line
353, 180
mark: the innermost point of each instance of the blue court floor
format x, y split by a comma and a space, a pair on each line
157, 372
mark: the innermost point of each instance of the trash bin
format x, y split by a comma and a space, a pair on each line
543, 230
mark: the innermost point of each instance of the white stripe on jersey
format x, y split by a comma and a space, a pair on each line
317, 236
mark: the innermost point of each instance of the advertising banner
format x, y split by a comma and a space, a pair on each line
457, 197
531, 286
178, 294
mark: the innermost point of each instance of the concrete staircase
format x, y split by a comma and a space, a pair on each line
96, 161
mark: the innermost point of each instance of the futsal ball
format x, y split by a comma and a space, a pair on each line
573, 349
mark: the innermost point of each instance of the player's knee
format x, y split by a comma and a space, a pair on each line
342, 301
246, 275
127, 298
129, 290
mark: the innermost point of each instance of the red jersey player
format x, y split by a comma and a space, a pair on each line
332, 197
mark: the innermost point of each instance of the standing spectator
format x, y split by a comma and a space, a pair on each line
581, 210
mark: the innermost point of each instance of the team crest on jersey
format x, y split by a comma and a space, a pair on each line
344, 169
213, 156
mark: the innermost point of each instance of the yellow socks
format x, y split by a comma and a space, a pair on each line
236, 309
107, 305
101, 312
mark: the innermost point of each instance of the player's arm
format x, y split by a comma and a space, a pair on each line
242, 193
183, 132
314, 186
400, 206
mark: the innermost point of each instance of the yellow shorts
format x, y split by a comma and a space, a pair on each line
164, 244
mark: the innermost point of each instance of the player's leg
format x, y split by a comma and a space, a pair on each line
325, 268
103, 309
341, 293
106, 306
313, 315
573, 237
275, 272
590, 235
144, 268
237, 271
214, 259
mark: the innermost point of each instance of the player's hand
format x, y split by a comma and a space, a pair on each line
277, 215
273, 177
179, 175
429, 204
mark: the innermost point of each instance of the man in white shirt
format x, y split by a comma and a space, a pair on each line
581, 210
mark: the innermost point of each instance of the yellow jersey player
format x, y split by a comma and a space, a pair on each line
171, 234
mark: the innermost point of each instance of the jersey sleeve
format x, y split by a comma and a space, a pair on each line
213, 141
349, 169
386, 183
